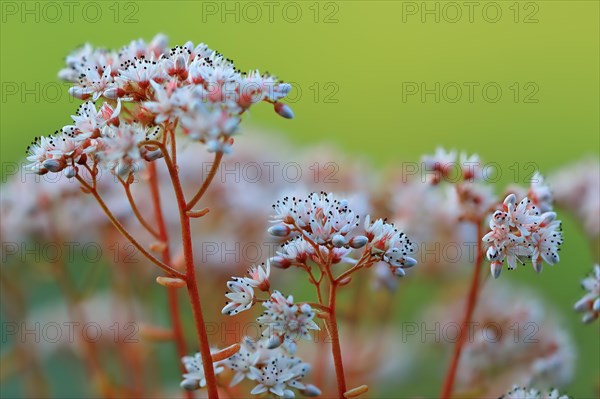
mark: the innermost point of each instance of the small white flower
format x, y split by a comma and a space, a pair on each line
286, 321
589, 304
241, 296
241, 362
259, 276
195, 378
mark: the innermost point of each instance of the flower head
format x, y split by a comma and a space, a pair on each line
521, 231
241, 296
286, 321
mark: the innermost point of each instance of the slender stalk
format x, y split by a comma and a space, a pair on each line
336, 350
469, 309
136, 210
207, 181
172, 296
190, 276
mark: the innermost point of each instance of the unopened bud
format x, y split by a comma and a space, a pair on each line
496, 268
398, 271
189, 384
70, 171
284, 110
274, 342
409, 262
510, 201
279, 230
78, 92
311, 391
53, 165
338, 241
153, 155
358, 242
170, 282
356, 392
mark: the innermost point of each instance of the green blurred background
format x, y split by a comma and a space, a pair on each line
352, 63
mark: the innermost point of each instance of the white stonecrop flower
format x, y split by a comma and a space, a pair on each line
286, 321
296, 251
120, 151
241, 362
390, 245
521, 231
241, 296
589, 304
194, 378
259, 276
277, 374
525, 393
320, 217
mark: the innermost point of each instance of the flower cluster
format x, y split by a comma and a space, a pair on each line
524, 393
147, 89
272, 370
324, 227
451, 166
285, 321
521, 230
590, 303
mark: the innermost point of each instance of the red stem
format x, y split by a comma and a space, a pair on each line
470, 307
336, 350
172, 297
190, 279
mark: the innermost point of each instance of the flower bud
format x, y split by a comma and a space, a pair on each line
581, 305
78, 92
496, 268
358, 242
280, 262
510, 201
53, 165
537, 265
70, 171
153, 155
338, 241
409, 262
398, 271
274, 342
189, 385
279, 230
284, 110
311, 391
